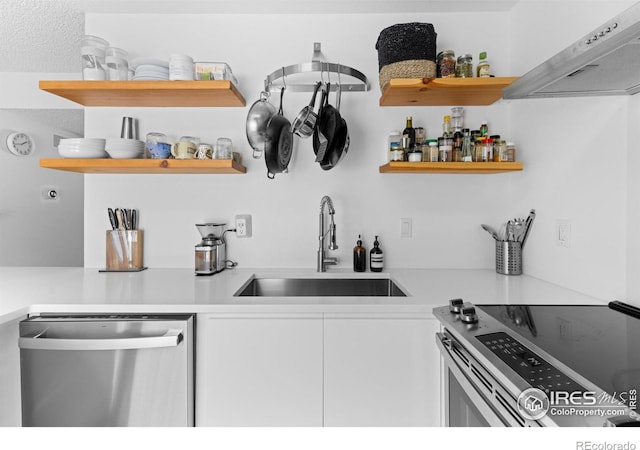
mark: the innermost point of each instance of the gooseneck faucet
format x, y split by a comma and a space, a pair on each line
323, 261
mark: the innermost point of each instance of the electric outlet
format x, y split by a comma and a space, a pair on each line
406, 227
563, 233
243, 225
49, 193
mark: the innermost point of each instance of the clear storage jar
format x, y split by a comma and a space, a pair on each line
446, 64
464, 67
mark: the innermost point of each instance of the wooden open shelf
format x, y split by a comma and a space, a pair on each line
450, 167
144, 165
444, 91
211, 93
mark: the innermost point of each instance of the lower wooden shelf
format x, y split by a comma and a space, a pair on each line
183, 166
450, 167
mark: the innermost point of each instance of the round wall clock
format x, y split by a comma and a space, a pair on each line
20, 144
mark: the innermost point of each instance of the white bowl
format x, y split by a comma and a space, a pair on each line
125, 153
123, 143
89, 141
81, 153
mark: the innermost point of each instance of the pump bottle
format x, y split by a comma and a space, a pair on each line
376, 257
359, 256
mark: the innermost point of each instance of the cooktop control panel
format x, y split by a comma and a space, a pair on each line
533, 369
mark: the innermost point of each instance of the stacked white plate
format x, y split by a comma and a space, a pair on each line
82, 148
151, 69
120, 148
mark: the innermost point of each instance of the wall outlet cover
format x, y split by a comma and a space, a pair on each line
243, 226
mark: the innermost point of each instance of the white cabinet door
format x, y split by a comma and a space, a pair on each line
259, 370
10, 399
381, 371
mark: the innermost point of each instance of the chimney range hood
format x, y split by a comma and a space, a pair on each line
604, 62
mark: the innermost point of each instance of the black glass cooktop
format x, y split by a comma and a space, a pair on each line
597, 342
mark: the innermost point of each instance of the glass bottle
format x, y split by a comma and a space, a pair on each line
484, 128
446, 127
475, 134
466, 146
483, 70
457, 146
411, 133
500, 151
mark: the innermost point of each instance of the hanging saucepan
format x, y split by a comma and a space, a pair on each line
278, 143
305, 122
341, 140
257, 119
325, 132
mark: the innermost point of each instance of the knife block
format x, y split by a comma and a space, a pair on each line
124, 250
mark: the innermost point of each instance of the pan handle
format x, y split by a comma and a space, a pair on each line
257, 153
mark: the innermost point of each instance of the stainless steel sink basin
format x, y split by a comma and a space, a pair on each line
320, 287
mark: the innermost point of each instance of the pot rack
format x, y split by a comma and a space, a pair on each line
318, 64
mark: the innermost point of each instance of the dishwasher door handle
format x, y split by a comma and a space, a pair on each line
170, 339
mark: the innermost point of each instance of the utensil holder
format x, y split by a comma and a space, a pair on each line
509, 257
124, 250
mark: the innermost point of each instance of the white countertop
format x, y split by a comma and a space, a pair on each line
53, 289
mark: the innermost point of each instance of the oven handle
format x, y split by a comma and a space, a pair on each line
444, 343
170, 339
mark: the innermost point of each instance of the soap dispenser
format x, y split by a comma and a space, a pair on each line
376, 257
359, 257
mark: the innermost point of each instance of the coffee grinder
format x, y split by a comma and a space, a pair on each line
211, 253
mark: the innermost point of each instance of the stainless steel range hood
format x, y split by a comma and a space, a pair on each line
604, 62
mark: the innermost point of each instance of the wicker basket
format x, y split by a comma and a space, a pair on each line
415, 68
405, 42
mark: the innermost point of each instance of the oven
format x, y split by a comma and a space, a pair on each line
536, 366
472, 397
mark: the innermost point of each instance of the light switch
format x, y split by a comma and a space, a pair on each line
406, 227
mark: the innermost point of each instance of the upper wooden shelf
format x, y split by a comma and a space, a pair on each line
144, 165
444, 91
147, 93
450, 167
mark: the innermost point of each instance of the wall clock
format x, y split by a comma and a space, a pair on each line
20, 144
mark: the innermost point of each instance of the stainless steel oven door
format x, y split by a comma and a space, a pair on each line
469, 402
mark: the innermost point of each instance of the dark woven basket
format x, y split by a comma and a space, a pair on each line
406, 41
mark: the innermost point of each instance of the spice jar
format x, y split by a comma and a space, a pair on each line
511, 151
446, 64
396, 152
487, 150
500, 151
464, 67
433, 151
445, 149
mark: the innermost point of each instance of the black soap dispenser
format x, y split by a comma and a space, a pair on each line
376, 257
359, 257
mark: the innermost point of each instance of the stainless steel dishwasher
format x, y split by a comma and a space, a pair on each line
107, 370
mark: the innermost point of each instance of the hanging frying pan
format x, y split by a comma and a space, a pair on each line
329, 120
340, 143
257, 118
278, 142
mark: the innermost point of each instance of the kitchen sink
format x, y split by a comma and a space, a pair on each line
320, 287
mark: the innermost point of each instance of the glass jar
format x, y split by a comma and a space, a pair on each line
466, 146
483, 70
500, 151
457, 117
464, 67
445, 149
487, 150
433, 151
394, 147
475, 134
511, 152
446, 64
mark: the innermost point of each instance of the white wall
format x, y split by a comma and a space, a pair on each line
574, 151
35, 232
446, 209
576, 163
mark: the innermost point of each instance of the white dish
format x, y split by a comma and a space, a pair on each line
125, 153
148, 61
93, 141
81, 153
